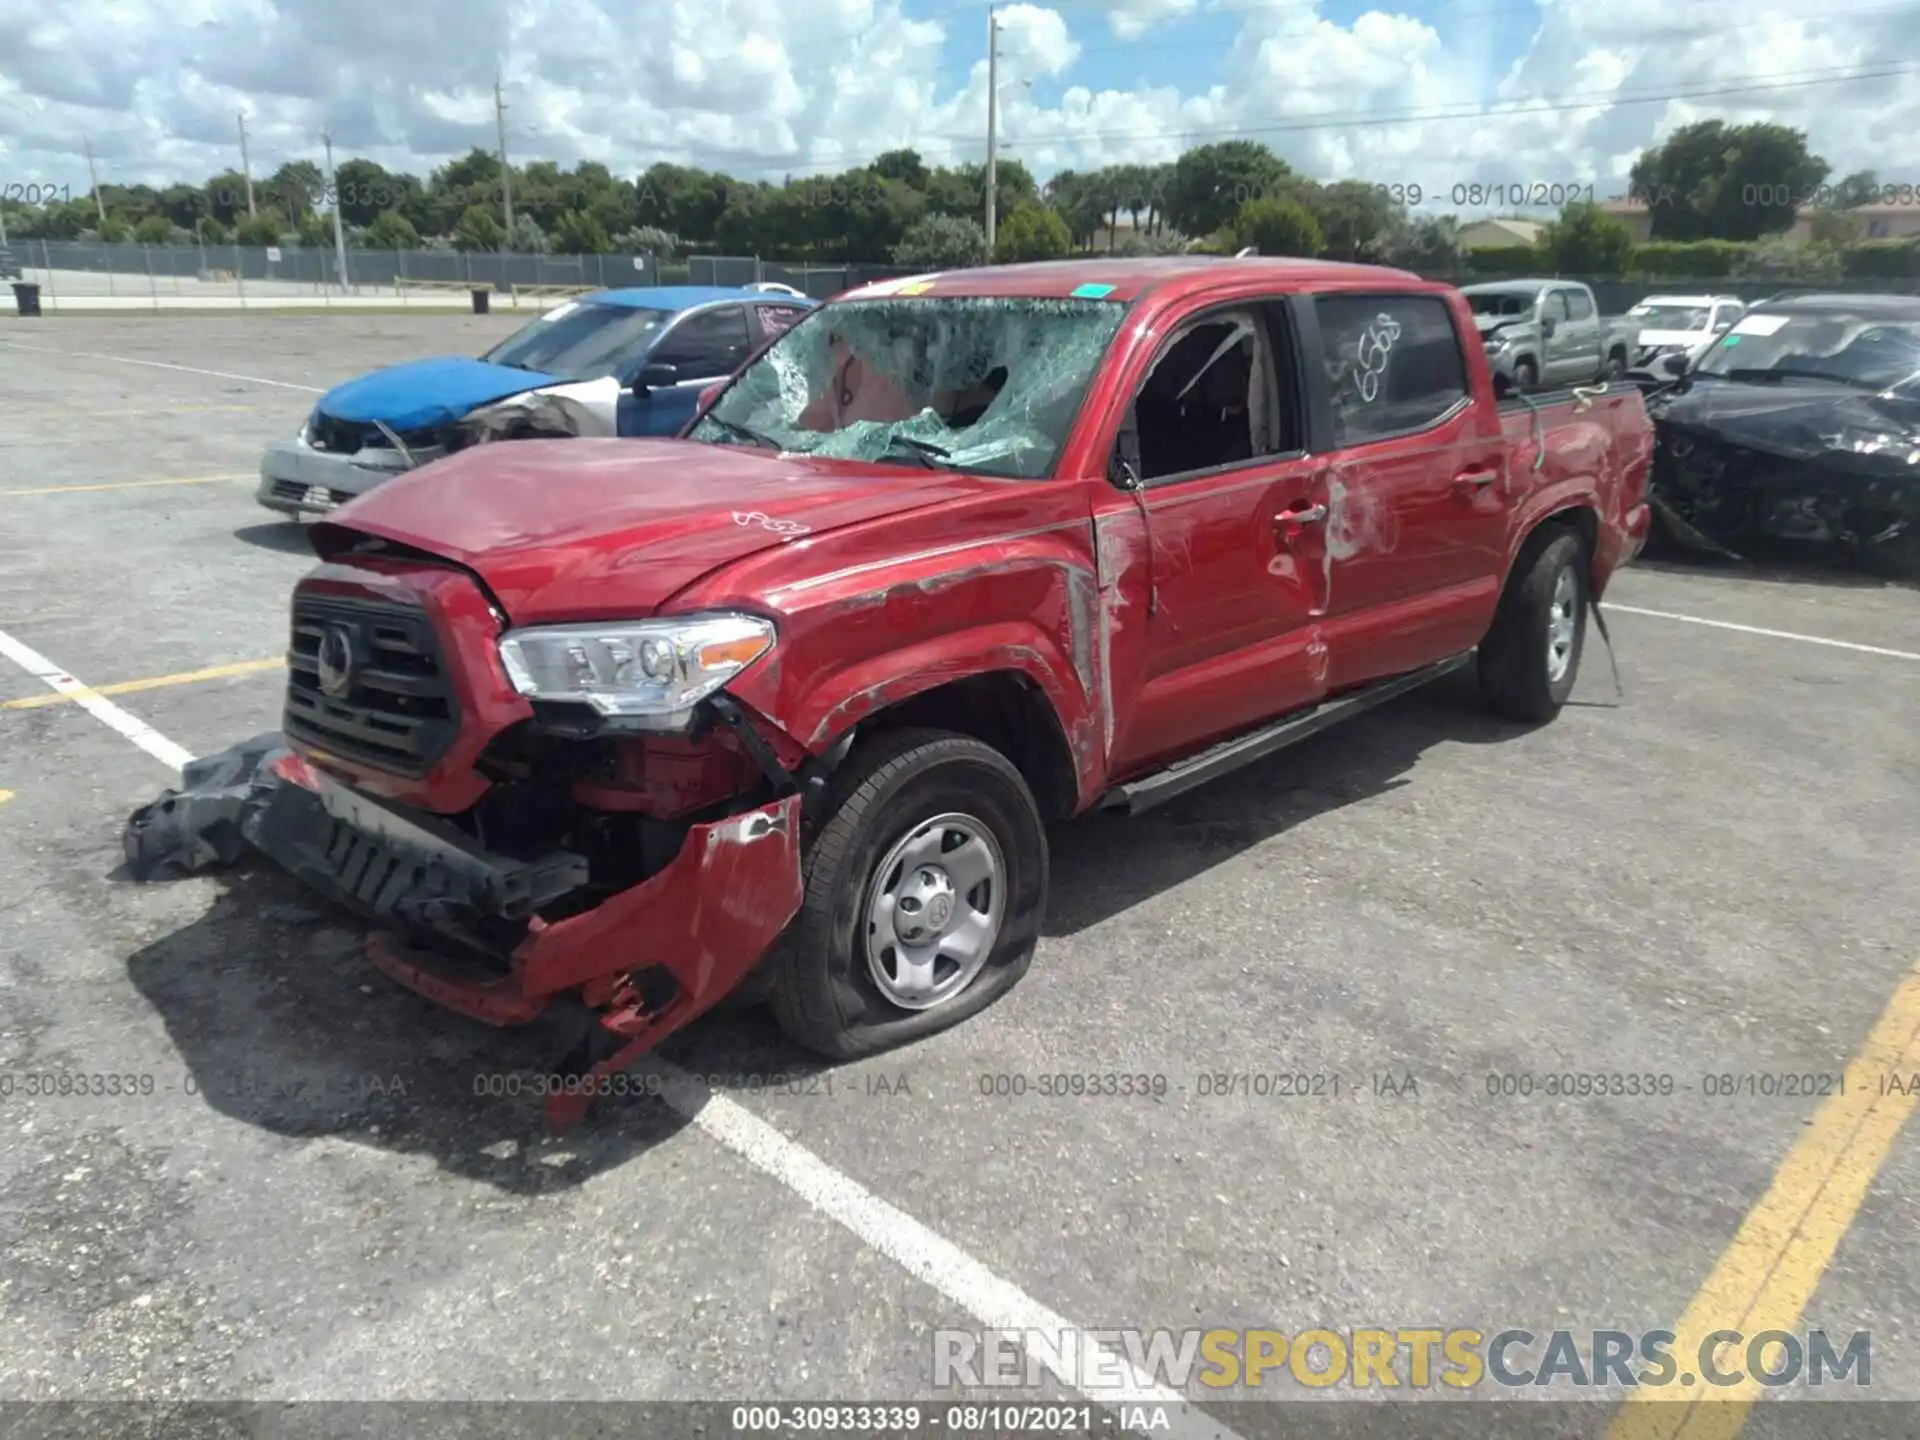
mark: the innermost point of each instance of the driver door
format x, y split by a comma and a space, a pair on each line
704, 346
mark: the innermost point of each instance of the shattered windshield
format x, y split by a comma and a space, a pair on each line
989, 385
1671, 317
1840, 345
1501, 302
579, 340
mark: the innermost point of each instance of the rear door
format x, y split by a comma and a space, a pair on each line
1578, 339
704, 345
1229, 517
1416, 481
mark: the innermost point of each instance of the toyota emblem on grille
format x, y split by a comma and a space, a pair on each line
338, 659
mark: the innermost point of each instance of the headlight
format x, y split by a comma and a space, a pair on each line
658, 669
1496, 342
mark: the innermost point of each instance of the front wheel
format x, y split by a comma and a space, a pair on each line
1531, 657
1615, 367
926, 885
1525, 375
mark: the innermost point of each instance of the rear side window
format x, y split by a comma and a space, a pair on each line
708, 343
1393, 364
1579, 306
777, 319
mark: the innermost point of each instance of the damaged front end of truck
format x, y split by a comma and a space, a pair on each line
516, 853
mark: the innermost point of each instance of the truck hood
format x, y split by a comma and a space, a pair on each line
427, 394
1488, 324
593, 529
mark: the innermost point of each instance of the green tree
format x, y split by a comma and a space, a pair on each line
392, 231
114, 231
1356, 219
580, 232
1429, 246
682, 199
154, 230
942, 242
315, 229
1277, 225
527, 238
1712, 180
906, 166
478, 229
264, 228
183, 204
366, 190
1585, 240
1862, 187
1031, 232
297, 189
226, 197
212, 232
1210, 183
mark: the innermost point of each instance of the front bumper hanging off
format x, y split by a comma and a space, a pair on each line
467, 932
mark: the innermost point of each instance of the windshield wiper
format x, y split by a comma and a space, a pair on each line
932, 456
744, 432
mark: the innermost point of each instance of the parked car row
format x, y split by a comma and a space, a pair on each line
781, 705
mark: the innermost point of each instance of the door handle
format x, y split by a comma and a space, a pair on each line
1472, 482
1304, 515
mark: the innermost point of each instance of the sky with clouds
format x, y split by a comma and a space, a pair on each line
1433, 93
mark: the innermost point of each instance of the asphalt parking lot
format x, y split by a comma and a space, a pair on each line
1711, 875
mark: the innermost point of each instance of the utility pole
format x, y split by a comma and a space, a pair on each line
993, 108
246, 165
333, 188
94, 180
506, 177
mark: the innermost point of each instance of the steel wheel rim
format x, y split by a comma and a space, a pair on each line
934, 908
1563, 623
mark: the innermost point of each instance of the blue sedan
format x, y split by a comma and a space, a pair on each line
661, 346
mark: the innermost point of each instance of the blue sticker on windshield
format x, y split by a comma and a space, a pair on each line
1092, 292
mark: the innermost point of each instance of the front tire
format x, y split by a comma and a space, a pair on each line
1530, 659
1525, 375
925, 888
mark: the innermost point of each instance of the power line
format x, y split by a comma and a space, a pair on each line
1480, 111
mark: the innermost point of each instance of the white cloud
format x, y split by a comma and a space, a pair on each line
763, 87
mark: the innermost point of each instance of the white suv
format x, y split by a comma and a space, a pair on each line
1682, 325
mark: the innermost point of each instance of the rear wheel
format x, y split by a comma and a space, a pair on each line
926, 884
1530, 659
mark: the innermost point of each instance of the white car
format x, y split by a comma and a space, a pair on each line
774, 287
1682, 325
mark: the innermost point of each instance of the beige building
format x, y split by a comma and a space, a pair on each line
1500, 234
1889, 220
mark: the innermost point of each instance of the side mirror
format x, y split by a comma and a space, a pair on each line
1675, 364
655, 376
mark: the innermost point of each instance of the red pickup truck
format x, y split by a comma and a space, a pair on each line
620, 724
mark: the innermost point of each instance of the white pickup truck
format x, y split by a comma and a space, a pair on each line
1549, 333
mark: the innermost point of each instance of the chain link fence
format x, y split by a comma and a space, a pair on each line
232, 273
95, 269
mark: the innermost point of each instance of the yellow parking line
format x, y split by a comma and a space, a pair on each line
152, 682
1768, 1274
126, 485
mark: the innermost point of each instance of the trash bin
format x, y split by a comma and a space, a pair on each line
481, 299
26, 297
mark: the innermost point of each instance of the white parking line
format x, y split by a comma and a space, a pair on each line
996, 1304
94, 703
163, 365
1769, 634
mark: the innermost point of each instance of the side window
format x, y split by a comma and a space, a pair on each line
1579, 304
1211, 399
777, 319
1554, 307
705, 345
1726, 316
1393, 363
